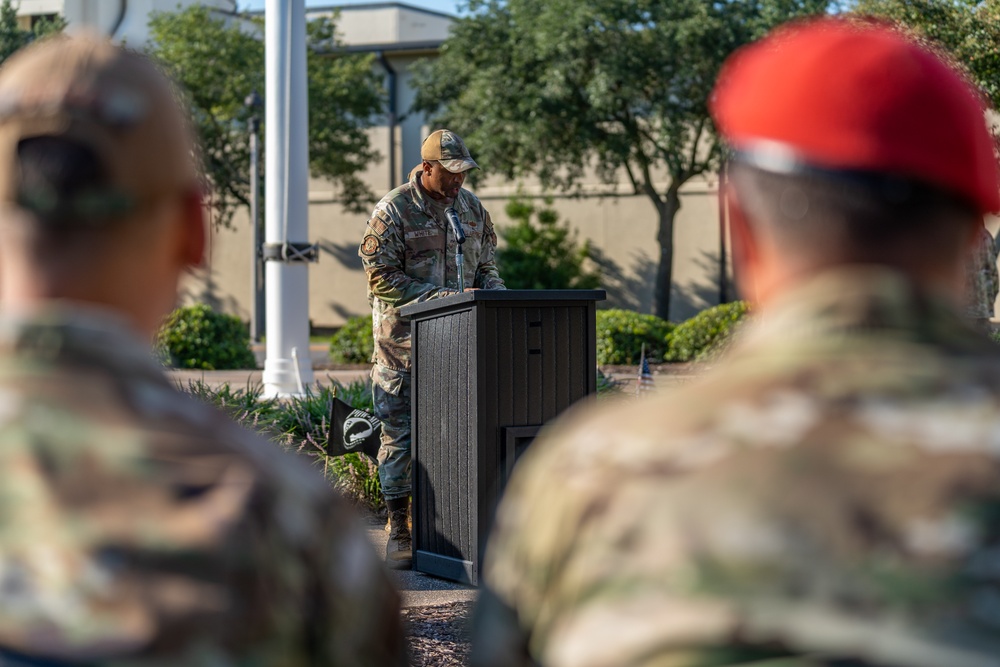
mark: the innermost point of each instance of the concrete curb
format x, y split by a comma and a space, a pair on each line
419, 589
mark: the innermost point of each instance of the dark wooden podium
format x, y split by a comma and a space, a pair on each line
489, 369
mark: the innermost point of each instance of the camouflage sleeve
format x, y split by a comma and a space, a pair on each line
497, 640
321, 592
382, 253
518, 564
487, 273
362, 623
991, 267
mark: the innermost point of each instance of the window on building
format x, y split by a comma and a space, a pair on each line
37, 18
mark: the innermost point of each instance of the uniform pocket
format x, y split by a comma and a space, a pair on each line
389, 380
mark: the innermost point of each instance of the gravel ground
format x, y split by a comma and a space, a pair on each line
438, 635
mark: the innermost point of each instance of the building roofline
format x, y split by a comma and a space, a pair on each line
391, 47
371, 5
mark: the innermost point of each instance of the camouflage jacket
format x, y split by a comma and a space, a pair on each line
140, 527
829, 492
981, 279
409, 256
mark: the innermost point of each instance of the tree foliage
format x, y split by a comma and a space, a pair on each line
969, 31
542, 253
219, 63
555, 87
13, 37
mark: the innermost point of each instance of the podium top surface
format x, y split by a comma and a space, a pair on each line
504, 295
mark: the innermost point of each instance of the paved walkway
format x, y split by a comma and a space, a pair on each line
322, 376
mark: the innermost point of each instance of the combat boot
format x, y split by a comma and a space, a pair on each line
399, 549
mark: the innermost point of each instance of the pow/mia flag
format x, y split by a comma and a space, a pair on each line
352, 431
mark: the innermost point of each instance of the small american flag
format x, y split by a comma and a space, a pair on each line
644, 381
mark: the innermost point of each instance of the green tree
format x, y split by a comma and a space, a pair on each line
219, 63
13, 37
969, 31
542, 254
552, 87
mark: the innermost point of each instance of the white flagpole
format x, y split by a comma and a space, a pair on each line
287, 205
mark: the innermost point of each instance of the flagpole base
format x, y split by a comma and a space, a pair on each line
286, 378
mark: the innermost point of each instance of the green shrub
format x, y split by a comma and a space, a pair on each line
621, 334
198, 337
353, 343
607, 385
542, 253
703, 333
301, 424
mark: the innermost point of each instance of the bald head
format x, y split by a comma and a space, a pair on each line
852, 144
115, 103
99, 193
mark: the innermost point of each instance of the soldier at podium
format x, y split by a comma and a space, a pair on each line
409, 256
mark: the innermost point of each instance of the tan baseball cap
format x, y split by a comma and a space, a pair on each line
446, 147
115, 102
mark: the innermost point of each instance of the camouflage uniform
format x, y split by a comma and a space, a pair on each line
830, 495
981, 279
409, 257
140, 527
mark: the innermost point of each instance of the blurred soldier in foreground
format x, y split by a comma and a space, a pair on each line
137, 526
409, 256
830, 495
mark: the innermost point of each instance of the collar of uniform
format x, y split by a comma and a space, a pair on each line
862, 299
65, 330
420, 195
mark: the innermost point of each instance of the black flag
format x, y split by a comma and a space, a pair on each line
352, 431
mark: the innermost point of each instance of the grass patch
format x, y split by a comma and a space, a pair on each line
301, 424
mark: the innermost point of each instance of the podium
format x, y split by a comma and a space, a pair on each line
489, 369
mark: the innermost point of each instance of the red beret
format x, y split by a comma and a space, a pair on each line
837, 94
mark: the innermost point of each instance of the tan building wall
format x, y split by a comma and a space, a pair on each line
103, 15
622, 228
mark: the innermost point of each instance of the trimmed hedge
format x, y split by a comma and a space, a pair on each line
353, 343
621, 334
198, 337
703, 333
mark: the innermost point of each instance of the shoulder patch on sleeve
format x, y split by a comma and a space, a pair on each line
379, 222
370, 245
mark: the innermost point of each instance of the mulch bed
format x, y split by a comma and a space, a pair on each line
438, 635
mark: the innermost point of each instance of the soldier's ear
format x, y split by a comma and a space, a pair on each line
746, 254
194, 236
973, 234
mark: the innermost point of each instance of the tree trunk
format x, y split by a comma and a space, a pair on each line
667, 210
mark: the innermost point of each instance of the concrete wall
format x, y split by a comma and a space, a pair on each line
388, 25
101, 15
622, 228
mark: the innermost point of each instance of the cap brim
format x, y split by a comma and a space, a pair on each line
459, 165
